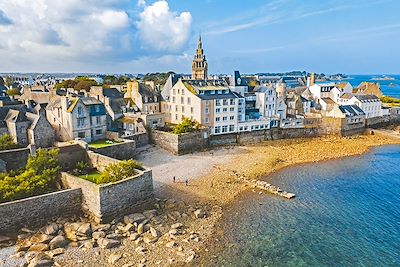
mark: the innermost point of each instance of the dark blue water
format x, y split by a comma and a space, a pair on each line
346, 213
387, 90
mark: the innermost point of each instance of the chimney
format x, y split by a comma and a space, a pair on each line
64, 103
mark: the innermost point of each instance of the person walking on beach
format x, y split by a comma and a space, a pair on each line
174, 179
187, 182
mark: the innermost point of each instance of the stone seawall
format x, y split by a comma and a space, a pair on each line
36, 211
121, 151
182, 143
379, 122
15, 158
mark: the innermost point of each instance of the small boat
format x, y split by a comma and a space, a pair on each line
392, 84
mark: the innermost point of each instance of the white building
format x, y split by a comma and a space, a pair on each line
370, 104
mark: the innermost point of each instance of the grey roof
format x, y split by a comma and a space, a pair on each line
112, 93
351, 110
146, 91
366, 98
217, 96
87, 101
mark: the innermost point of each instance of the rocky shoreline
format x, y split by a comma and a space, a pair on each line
181, 227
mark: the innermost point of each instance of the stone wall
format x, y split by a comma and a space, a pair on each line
36, 211
15, 158
182, 143
69, 155
106, 202
124, 150
377, 122
99, 161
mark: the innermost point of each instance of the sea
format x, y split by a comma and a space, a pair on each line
346, 213
389, 87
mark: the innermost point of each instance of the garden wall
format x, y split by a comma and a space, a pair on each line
106, 202
125, 150
99, 161
15, 158
36, 211
182, 143
69, 155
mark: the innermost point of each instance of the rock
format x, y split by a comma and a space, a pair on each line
26, 230
135, 217
101, 227
18, 255
143, 260
40, 238
141, 265
40, 260
134, 236
114, 258
85, 228
169, 204
199, 213
149, 214
180, 248
140, 229
98, 234
50, 229
148, 239
170, 244
138, 241
177, 226
38, 247
88, 244
190, 258
127, 265
128, 227
175, 232
107, 243
154, 232
4, 239
24, 245
58, 242
55, 252
30, 255
114, 236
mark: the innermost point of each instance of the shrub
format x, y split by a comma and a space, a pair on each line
81, 168
186, 126
7, 142
119, 171
386, 99
40, 176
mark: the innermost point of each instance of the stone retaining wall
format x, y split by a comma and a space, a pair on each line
15, 158
99, 161
36, 211
68, 156
181, 143
124, 150
378, 122
106, 202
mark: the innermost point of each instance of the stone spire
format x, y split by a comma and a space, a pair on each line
199, 65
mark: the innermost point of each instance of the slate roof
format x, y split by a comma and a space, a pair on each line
367, 98
112, 93
351, 110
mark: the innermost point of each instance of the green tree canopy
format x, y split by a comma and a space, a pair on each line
7, 142
186, 126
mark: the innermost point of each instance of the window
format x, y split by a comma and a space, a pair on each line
173, 99
99, 131
232, 109
231, 128
176, 116
174, 91
182, 100
232, 101
80, 111
81, 122
232, 118
176, 108
191, 110
217, 129
225, 109
207, 110
183, 109
224, 128
217, 119
207, 120
81, 134
97, 120
225, 118
218, 102
218, 110
189, 100
97, 108
225, 101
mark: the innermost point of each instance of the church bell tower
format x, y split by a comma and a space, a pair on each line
199, 65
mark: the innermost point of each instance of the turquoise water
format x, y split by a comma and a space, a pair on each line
346, 213
393, 91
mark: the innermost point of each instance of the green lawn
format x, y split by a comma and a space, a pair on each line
92, 176
103, 143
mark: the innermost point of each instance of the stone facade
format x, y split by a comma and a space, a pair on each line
68, 156
36, 211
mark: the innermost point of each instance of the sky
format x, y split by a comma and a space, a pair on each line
253, 36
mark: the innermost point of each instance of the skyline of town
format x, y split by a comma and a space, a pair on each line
157, 36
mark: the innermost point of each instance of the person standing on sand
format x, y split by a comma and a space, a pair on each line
187, 182
174, 179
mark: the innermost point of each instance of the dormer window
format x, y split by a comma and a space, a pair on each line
80, 111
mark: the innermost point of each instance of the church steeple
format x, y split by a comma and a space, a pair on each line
199, 65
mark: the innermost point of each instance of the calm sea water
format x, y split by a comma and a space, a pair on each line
346, 213
387, 89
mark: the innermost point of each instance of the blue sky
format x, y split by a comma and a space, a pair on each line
123, 36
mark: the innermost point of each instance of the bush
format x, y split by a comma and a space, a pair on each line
186, 126
39, 177
119, 171
7, 142
81, 168
386, 99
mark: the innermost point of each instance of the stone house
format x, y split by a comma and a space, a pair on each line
77, 117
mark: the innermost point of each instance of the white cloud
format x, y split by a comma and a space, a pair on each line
113, 19
162, 29
141, 2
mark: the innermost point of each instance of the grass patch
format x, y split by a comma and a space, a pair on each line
103, 143
93, 176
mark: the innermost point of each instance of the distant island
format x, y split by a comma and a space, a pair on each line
384, 78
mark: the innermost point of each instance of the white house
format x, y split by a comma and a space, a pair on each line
370, 104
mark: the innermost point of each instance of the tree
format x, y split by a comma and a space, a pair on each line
84, 85
8, 81
119, 171
186, 126
13, 92
40, 176
7, 142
